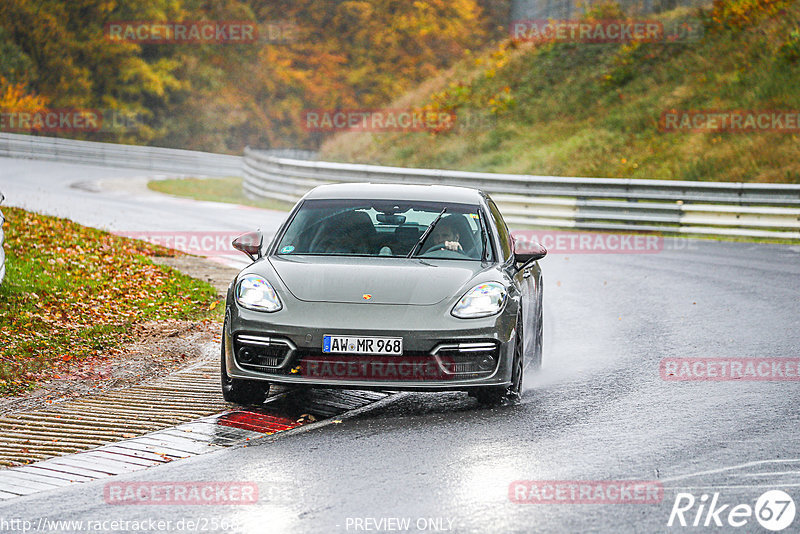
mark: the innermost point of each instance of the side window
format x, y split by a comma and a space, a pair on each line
502, 230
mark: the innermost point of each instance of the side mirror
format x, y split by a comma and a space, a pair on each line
250, 244
534, 253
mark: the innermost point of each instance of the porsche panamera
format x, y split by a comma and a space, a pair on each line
383, 286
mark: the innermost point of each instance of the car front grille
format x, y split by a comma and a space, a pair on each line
447, 361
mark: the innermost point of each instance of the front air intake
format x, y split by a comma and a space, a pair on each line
467, 360
261, 353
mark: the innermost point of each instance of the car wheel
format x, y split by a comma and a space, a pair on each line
513, 393
237, 391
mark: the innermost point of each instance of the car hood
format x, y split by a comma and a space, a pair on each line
384, 280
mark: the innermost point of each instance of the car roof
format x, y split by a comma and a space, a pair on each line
370, 191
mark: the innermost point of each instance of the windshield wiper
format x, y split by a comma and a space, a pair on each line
484, 238
425, 234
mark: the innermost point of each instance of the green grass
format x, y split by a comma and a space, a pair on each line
593, 109
228, 190
72, 293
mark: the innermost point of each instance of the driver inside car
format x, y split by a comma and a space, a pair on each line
445, 235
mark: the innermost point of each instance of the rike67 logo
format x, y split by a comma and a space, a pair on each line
774, 510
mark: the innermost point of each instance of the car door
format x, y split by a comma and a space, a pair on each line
524, 280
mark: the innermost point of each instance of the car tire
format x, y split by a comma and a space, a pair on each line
493, 396
238, 391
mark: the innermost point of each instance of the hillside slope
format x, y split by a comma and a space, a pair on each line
573, 109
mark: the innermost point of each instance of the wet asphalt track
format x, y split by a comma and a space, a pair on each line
599, 409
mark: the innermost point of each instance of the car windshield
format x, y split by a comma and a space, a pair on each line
385, 228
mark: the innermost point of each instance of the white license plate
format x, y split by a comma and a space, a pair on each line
362, 345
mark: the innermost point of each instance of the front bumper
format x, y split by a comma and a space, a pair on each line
440, 352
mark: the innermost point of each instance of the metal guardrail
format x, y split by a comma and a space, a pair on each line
115, 155
607, 204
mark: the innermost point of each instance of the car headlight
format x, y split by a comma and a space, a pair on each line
481, 301
255, 293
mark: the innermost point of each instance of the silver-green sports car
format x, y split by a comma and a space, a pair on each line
396, 287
